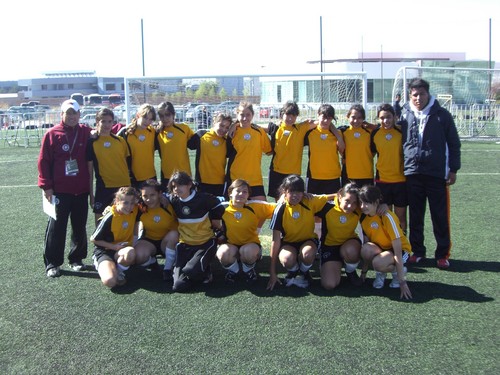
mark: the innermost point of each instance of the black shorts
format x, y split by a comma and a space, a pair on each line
258, 191
275, 180
215, 189
298, 245
314, 186
330, 254
101, 254
394, 193
156, 243
103, 198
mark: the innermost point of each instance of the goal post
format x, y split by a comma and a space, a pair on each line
270, 91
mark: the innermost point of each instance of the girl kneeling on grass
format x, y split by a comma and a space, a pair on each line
198, 214
113, 238
159, 229
241, 219
385, 248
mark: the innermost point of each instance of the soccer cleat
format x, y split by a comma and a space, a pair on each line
415, 259
251, 276
167, 275
395, 281
53, 272
379, 281
230, 277
354, 279
77, 266
290, 277
443, 264
302, 280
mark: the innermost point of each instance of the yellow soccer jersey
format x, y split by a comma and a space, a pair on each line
141, 144
358, 155
288, 146
296, 223
337, 226
211, 156
245, 151
382, 230
172, 147
115, 228
157, 222
387, 144
109, 155
241, 223
324, 161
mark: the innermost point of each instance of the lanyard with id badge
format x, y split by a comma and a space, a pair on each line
71, 165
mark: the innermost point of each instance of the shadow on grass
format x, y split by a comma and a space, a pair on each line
457, 265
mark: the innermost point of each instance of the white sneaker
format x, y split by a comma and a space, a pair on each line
379, 281
300, 281
395, 281
53, 272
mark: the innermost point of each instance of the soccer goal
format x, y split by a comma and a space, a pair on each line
266, 92
468, 93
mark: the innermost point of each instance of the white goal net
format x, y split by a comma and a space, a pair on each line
469, 94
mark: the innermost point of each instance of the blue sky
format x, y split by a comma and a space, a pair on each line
232, 37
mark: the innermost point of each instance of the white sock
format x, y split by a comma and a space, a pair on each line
150, 260
122, 267
305, 267
169, 259
234, 268
350, 267
317, 229
247, 267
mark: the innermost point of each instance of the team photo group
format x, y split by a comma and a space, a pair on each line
359, 209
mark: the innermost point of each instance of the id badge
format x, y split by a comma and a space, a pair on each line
71, 167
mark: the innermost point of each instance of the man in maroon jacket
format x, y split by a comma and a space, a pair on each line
63, 174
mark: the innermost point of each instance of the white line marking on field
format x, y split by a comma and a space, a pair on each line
17, 186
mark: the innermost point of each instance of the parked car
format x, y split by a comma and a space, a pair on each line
269, 112
229, 107
88, 120
190, 111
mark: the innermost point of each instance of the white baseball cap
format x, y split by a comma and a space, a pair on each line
70, 103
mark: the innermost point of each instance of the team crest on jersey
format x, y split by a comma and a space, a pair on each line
107, 144
374, 225
247, 136
56, 201
238, 215
142, 138
65, 147
125, 225
186, 210
357, 134
343, 219
388, 137
170, 135
215, 142
295, 215
286, 133
323, 136
156, 219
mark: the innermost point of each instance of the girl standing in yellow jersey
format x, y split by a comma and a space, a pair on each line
240, 222
245, 146
113, 238
294, 243
159, 230
358, 156
171, 143
211, 155
140, 137
387, 144
385, 247
108, 156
